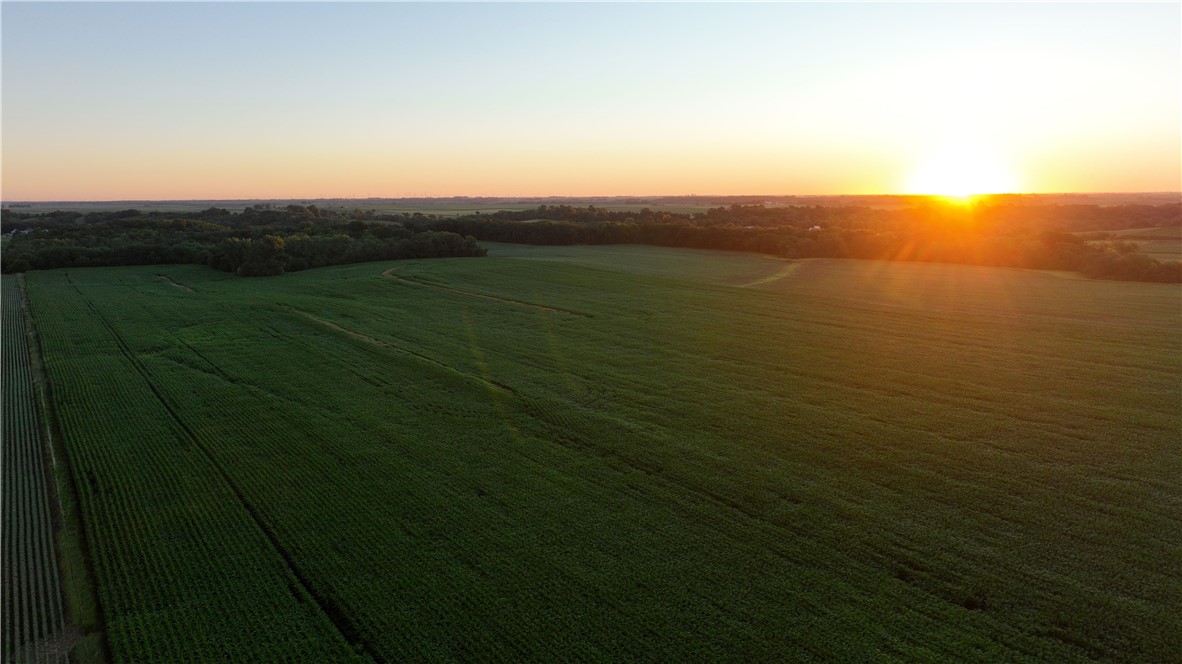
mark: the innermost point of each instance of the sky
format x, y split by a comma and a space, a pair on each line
140, 101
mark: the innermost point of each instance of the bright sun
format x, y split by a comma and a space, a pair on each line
960, 172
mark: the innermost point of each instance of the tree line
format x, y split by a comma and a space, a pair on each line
1008, 235
265, 239
260, 241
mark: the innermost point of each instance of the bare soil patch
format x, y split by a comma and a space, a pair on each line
170, 282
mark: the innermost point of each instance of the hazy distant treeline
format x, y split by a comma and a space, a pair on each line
984, 216
257, 242
268, 240
1003, 235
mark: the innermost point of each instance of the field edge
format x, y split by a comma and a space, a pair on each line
83, 612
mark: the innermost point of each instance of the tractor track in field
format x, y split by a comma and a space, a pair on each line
337, 616
389, 274
394, 347
785, 271
168, 280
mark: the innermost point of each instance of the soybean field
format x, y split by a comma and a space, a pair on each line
623, 454
34, 618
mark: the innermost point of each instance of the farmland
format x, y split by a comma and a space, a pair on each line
464, 205
623, 453
1161, 243
33, 614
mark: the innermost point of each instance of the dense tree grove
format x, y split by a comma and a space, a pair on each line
258, 242
265, 239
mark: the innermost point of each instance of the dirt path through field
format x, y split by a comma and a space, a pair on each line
778, 275
170, 282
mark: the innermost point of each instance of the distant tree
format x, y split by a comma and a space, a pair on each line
213, 213
264, 257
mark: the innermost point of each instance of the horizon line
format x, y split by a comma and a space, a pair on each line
574, 197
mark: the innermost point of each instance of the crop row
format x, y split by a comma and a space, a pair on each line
172, 546
32, 599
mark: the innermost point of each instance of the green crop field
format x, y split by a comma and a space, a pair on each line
1161, 243
623, 453
34, 619
1171, 233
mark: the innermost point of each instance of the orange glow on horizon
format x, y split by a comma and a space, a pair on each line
955, 172
960, 171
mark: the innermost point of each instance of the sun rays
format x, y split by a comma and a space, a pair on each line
961, 170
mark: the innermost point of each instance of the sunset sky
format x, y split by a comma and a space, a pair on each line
278, 100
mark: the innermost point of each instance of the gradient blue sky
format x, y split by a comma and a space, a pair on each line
237, 100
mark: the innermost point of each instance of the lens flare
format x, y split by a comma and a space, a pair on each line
959, 172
